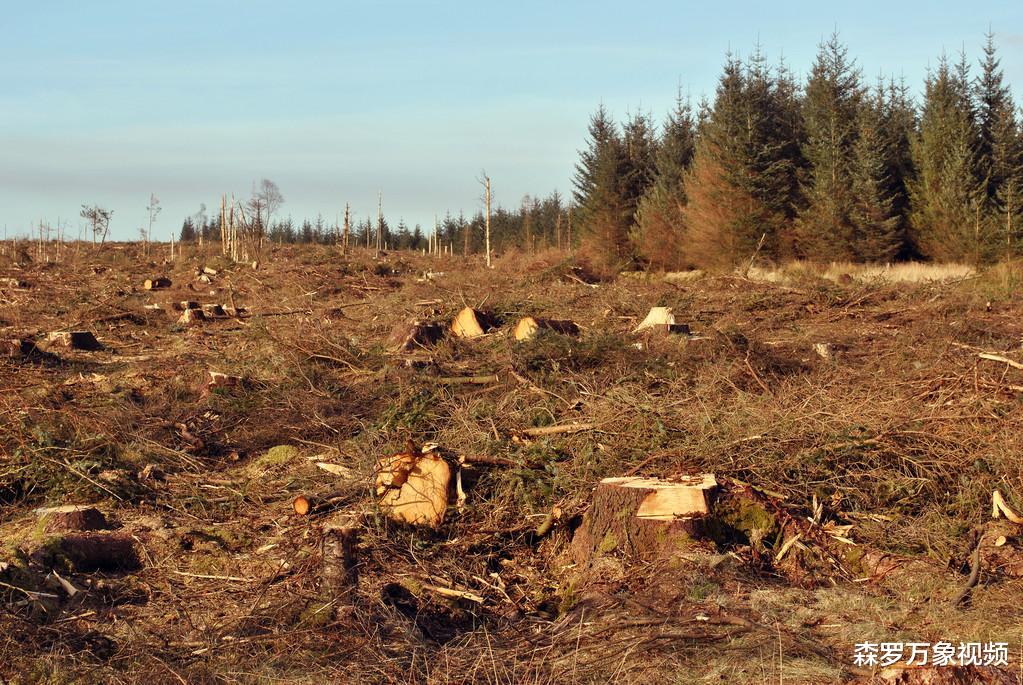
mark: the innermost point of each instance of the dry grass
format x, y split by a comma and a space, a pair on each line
873, 274
902, 432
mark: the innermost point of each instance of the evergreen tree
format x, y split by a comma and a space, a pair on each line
875, 222
187, 234
601, 194
740, 187
948, 193
658, 236
833, 96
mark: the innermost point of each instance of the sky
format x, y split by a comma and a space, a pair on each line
106, 102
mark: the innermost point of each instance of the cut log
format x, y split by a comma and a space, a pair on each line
528, 327
191, 316
413, 488
156, 283
308, 505
208, 271
90, 551
644, 517
76, 340
558, 430
471, 323
419, 334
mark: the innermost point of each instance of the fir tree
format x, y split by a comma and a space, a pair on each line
872, 214
658, 236
833, 95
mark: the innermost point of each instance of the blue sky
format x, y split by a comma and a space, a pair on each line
105, 102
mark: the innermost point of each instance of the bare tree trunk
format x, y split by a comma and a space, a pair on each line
348, 226
488, 222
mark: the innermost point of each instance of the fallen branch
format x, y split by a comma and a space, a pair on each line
558, 430
971, 582
999, 358
468, 380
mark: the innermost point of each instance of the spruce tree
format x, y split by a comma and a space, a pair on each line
601, 193
873, 216
826, 229
948, 193
740, 186
658, 236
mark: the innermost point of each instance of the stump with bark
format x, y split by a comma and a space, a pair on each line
471, 323
76, 340
644, 517
413, 487
156, 283
86, 552
418, 334
528, 327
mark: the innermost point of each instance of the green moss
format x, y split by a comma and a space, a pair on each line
609, 543
275, 456
740, 520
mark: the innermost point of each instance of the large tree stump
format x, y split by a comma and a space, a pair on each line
471, 323
661, 320
413, 487
85, 552
73, 517
643, 517
418, 334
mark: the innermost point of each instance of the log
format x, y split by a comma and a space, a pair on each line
999, 358
308, 505
413, 487
644, 517
528, 327
339, 570
156, 283
471, 323
77, 340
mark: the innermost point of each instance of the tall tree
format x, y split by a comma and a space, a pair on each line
601, 193
740, 186
658, 235
948, 194
872, 213
833, 96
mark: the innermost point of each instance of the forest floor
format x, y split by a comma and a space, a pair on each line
842, 403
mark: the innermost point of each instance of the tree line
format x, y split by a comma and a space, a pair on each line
831, 169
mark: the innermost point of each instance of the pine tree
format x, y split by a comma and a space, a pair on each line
1000, 149
898, 128
600, 192
873, 216
948, 193
833, 96
740, 186
658, 235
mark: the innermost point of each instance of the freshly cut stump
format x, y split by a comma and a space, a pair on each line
76, 340
644, 517
191, 316
470, 323
528, 327
156, 283
661, 320
413, 488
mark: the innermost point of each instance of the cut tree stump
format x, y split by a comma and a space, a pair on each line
185, 305
85, 552
223, 380
661, 320
644, 517
528, 327
76, 340
339, 572
419, 334
191, 316
156, 283
214, 311
73, 517
18, 348
471, 323
413, 487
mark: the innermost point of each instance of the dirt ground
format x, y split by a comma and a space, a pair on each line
859, 416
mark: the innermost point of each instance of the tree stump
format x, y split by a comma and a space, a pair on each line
419, 334
85, 552
528, 327
339, 571
191, 316
661, 320
77, 340
644, 517
471, 323
73, 517
156, 283
413, 488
